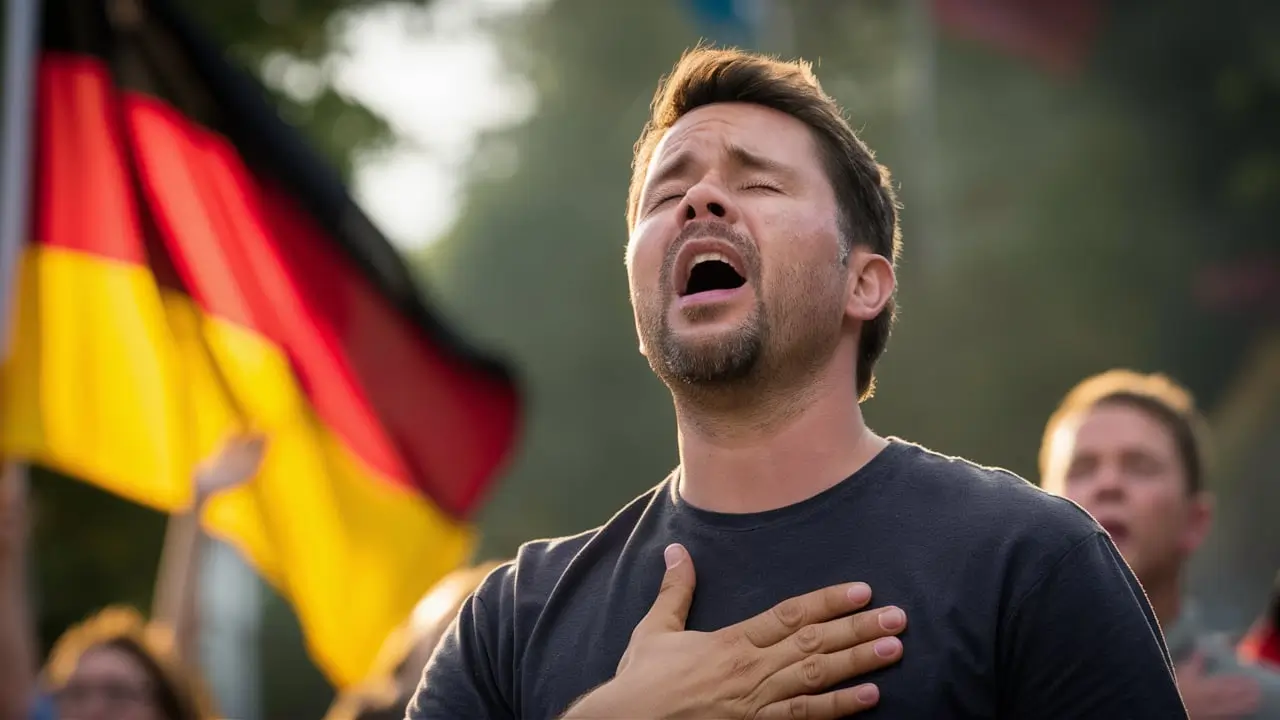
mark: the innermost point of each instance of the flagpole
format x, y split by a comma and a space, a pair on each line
22, 28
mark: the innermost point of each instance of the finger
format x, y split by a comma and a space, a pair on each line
827, 706
834, 635
819, 672
670, 609
784, 619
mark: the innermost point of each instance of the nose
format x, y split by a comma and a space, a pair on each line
707, 201
1109, 483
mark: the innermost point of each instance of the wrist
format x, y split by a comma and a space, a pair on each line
609, 700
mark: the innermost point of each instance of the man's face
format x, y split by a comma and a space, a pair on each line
1121, 464
735, 261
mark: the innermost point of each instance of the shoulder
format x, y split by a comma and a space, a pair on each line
1023, 531
992, 499
541, 566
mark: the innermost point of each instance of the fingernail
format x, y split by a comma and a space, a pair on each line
673, 555
859, 592
887, 647
868, 693
892, 619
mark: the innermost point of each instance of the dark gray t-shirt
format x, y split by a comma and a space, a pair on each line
1018, 604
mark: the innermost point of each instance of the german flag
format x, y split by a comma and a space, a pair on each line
194, 269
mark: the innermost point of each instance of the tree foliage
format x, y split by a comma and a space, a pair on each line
1066, 238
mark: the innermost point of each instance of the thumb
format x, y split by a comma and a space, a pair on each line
670, 609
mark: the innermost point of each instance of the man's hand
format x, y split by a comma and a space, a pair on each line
774, 665
236, 463
1216, 697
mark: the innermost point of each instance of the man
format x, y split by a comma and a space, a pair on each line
761, 267
1129, 448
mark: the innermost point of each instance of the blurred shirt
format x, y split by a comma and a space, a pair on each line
43, 708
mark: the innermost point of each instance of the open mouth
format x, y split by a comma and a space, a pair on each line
1118, 531
711, 271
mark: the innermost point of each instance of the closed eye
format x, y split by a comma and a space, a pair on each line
663, 200
767, 187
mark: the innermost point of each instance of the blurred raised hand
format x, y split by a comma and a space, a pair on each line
176, 601
233, 465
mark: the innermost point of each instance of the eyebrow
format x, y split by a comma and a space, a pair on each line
738, 155
748, 160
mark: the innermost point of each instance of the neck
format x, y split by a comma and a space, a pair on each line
788, 445
1165, 596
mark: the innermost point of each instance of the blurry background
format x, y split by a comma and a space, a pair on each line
1087, 184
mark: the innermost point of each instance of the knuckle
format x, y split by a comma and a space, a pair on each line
811, 673
809, 639
798, 708
866, 626
790, 613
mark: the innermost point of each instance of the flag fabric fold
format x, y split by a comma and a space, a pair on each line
194, 269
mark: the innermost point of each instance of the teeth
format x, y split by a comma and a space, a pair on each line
710, 256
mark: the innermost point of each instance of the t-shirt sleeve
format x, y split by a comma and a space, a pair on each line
1083, 642
465, 677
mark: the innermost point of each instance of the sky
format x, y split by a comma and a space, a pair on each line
439, 80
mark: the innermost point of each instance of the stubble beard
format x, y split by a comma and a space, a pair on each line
729, 359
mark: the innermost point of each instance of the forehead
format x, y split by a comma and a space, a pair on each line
760, 130
110, 663
1117, 427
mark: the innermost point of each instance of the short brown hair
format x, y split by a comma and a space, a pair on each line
867, 203
177, 692
1166, 401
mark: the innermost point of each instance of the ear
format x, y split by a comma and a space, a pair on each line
870, 285
1199, 521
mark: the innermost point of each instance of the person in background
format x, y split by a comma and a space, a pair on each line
405, 652
1261, 645
1130, 449
114, 665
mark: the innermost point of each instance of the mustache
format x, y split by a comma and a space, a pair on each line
711, 228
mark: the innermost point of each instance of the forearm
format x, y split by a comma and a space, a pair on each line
17, 626
17, 641
177, 593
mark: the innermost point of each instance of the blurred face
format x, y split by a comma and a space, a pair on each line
1121, 465
735, 262
108, 684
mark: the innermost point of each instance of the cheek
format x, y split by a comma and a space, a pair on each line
792, 244
644, 258
1159, 508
